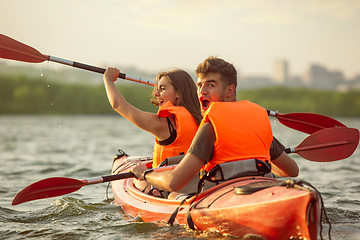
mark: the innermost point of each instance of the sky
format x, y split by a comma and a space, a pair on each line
158, 35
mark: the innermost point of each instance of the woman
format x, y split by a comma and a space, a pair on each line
178, 117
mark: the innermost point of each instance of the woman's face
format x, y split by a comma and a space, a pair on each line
166, 92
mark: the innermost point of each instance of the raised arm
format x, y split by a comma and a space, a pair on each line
147, 121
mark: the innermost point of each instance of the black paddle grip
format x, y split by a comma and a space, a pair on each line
95, 69
118, 176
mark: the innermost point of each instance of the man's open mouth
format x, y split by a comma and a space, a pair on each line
205, 103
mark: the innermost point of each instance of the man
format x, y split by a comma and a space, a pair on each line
242, 131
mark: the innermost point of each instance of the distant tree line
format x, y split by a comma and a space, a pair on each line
24, 95
286, 100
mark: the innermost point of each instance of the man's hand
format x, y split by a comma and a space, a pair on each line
139, 170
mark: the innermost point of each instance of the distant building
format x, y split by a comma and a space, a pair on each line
281, 72
319, 77
295, 81
354, 83
252, 82
337, 77
316, 75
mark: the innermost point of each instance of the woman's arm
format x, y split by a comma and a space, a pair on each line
147, 121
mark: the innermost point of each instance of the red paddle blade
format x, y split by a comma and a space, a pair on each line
307, 122
329, 144
47, 188
15, 50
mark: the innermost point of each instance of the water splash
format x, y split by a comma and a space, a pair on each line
276, 127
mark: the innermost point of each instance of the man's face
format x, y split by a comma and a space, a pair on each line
210, 88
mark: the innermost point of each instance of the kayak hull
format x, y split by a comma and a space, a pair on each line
272, 212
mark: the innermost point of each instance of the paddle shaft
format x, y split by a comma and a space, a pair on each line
15, 50
120, 176
108, 178
314, 147
98, 70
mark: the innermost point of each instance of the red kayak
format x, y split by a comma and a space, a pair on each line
266, 207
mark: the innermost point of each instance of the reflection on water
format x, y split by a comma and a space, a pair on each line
37, 147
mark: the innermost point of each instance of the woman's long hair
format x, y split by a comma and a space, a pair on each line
185, 86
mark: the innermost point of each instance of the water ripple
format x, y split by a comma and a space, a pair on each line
35, 147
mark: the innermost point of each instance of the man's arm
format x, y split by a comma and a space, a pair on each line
199, 153
285, 166
175, 179
282, 164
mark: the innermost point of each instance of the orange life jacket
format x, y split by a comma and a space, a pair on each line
186, 128
242, 130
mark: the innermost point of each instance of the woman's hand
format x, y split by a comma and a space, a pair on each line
111, 74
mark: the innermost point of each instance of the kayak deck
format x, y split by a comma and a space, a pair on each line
247, 205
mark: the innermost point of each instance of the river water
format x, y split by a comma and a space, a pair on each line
83, 146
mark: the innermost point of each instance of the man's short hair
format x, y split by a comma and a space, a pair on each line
217, 65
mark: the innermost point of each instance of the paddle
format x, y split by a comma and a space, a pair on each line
57, 186
306, 122
15, 50
328, 145
324, 146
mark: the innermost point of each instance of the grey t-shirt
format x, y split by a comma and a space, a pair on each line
205, 138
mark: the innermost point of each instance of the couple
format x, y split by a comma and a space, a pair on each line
229, 130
